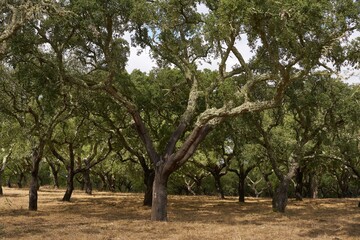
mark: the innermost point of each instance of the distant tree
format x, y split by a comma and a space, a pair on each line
78, 146
214, 156
31, 97
2, 169
55, 167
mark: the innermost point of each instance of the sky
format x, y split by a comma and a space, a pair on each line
144, 62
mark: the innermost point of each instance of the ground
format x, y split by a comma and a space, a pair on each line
122, 216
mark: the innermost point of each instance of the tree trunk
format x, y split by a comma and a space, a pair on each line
313, 187
218, 185
35, 158
299, 184
1, 190
103, 186
1, 179
87, 181
110, 182
86, 177
69, 185
56, 180
280, 197
55, 173
33, 194
21, 177
268, 183
241, 189
159, 201
9, 182
149, 177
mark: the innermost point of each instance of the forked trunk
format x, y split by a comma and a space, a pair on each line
149, 177
280, 197
159, 201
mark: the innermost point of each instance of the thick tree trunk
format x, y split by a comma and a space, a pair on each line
87, 182
103, 184
55, 173
241, 189
8, 183
268, 183
21, 177
299, 184
69, 185
149, 177
313, 187
218, 185
87, 179
1, 183
280, 197
159, 201
111, 182
56, 180
1, 179
33, 194
35, 158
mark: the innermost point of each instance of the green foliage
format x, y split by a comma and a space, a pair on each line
63, 78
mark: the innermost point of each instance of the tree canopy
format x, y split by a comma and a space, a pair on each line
64, 80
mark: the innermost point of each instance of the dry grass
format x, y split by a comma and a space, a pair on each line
121, 216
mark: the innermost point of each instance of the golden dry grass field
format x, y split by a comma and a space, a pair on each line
122, 216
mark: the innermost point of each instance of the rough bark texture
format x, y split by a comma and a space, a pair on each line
103, 184
55, 173
149, 177
56, 180
87, 179
9, 182
218, 185
87, 182
241, 189
299, 184
313, 187
159, 202
69, 185
2, 169
34, 185
269, 184
280, 197
1, 190
33, 195
20, 180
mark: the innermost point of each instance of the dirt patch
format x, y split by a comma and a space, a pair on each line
122, 216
